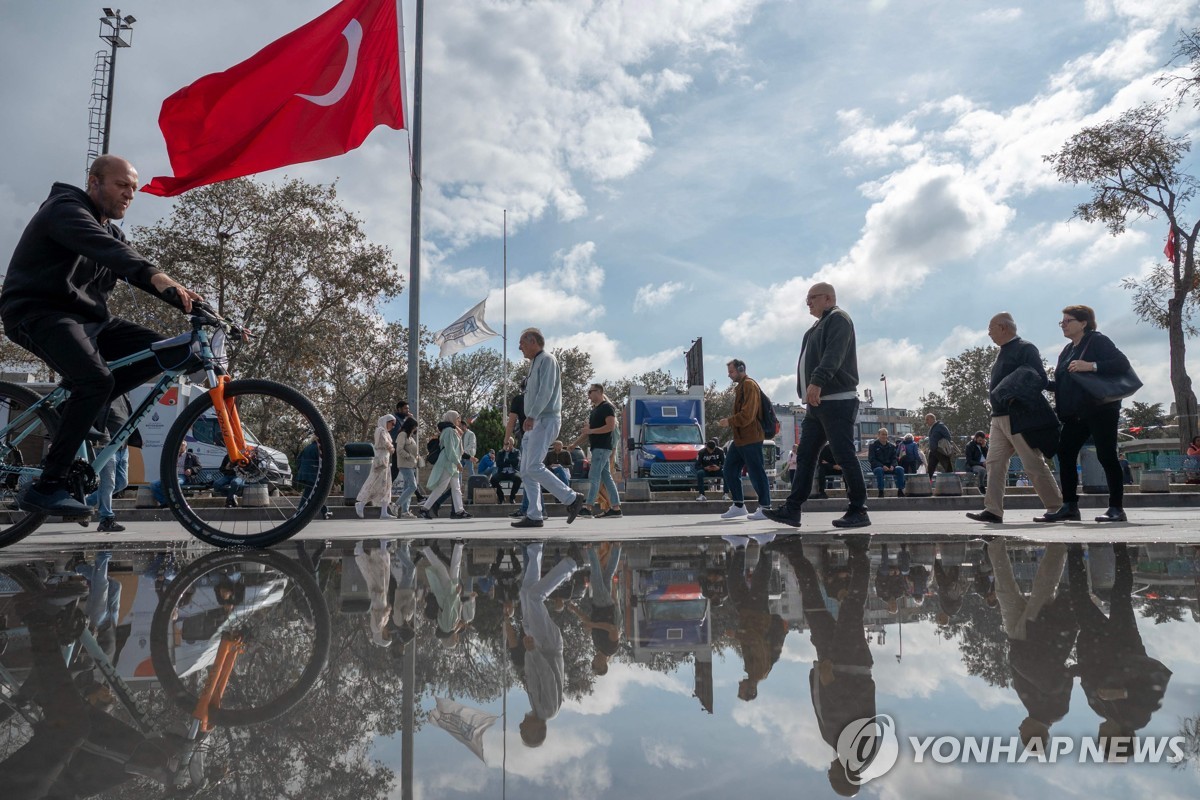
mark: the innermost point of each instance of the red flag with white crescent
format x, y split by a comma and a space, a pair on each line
315, 93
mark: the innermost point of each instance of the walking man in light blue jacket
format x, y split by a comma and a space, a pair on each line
543, 418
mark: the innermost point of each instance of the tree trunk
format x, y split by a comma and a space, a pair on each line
1181, 382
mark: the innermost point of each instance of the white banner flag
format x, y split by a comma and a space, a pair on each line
463, 723
469, 329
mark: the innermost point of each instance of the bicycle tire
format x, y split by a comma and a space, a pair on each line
164, 667
293, 421
15, 525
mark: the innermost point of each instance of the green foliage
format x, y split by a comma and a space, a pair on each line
489, 430
1143, 415
963, 402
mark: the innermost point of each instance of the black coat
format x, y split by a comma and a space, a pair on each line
1020, 394
1069, 398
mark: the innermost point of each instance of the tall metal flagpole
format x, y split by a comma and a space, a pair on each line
414, 247
504, 409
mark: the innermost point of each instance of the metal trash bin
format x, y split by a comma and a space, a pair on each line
1092, 478
356, 467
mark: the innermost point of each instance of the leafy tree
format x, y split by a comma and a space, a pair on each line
963, 402
1143, 415
1134, 170
577, 372
489, 430
14, 358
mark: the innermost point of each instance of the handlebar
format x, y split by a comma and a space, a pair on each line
204, 314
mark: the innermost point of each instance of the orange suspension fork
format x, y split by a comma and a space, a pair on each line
227, 418
218, 680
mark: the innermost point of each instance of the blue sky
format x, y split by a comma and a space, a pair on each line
675, 169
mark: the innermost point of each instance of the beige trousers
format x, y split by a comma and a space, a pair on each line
1002, 443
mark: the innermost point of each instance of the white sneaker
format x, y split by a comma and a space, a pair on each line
735, 512
701, 498
737, 541
383, 514
762, 538
758, 514
359, 508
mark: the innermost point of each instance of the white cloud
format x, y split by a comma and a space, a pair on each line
622, 678
568, 293
874, 145
999, 16
651, 296
609, 362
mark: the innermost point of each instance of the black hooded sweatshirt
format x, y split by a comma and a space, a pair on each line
67, 262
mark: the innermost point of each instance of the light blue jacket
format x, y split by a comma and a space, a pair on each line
543, 390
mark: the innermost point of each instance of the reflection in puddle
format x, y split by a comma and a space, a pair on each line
699, 667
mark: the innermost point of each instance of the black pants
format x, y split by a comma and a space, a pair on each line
824, 472
832, 421
514, 481
1100, 423
77, 349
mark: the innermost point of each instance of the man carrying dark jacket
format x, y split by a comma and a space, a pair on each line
55, 304
827, 382
1016, 356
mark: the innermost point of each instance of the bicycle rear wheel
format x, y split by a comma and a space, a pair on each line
21, 450
264, 599
279, 424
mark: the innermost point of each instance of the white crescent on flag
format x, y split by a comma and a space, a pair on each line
353, 34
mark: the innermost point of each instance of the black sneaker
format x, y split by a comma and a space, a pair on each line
573, 508
231, 501
985, 516
52, 499
526, 522
109, 525
783, 516
853, 519
586, 512
516, 515
461, 515
612, 512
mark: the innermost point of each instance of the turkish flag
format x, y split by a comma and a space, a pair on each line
1169, 250
315, 93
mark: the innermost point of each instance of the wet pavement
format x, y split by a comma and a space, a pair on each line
643, 659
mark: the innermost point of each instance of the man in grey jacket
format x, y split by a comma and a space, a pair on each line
543, 419
827, 382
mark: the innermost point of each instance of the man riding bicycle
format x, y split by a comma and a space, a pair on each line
55, 304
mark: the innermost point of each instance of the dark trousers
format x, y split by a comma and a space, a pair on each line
1101, 425
77, 350
832, 421
823, 473
514, 481
702, 476
843, 638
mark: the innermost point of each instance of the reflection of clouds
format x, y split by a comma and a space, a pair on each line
666, 754
788, 726
466, 778
562, 762
1174, 643
608, 690
913, 677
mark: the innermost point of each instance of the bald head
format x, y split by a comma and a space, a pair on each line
1002, 328
112, 182
821, 298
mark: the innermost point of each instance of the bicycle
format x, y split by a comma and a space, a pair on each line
237, 639
263, 426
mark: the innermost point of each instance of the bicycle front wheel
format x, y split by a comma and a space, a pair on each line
23, 445
282, 486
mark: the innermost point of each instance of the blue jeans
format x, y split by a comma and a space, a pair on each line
601, 470
897, 475
409, 476
751, 456
561, 473
104, 593
114, 477
160, 494
229, 485
832, 421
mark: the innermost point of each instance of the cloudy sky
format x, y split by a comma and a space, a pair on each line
675, 169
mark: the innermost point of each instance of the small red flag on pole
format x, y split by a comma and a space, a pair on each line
315, 93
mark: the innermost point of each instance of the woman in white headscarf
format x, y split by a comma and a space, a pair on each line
446, 471
378, 486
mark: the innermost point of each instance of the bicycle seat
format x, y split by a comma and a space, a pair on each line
174, 341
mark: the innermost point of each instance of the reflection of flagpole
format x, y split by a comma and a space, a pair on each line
900, 621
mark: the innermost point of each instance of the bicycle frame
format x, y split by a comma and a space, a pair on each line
228, 651
226, 411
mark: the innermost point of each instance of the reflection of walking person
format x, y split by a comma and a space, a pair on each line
376, 568
760, 633
1122, 684
605, 621
1041, 632
840, 681
544, 669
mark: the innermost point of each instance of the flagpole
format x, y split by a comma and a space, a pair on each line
414, 246
504, 408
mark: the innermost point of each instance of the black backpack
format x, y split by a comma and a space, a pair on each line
770, 422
